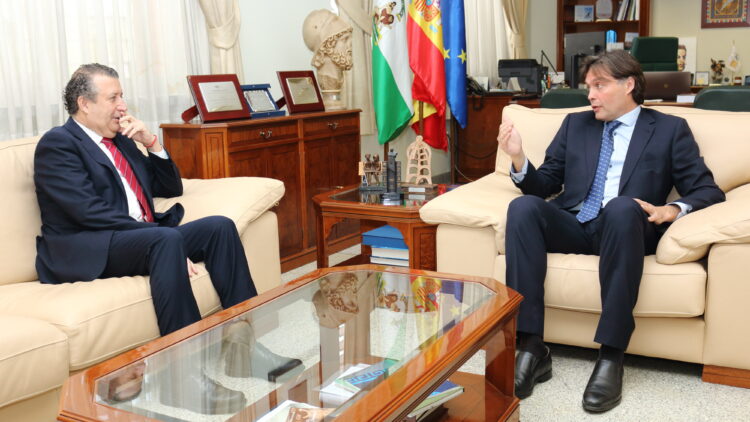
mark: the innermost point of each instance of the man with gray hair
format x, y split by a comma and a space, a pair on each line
95, 190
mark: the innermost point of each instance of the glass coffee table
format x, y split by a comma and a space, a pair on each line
358, 343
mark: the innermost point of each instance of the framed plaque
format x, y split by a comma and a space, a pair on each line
261, 102
218, 97
301, 91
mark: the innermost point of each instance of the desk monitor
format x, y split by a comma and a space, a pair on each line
666, 85
577, 46
527, 71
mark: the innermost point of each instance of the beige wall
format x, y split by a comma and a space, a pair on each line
680, 18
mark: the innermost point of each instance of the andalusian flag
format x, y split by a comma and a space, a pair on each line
426, 57
454, 40
391, 76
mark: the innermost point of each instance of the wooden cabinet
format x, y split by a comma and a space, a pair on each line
474, 149
566, 23
311, 153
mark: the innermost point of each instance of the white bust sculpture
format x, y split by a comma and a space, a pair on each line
329, 38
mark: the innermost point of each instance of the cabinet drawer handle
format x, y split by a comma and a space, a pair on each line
333, 125
265, 134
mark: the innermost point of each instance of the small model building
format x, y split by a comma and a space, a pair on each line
419, 156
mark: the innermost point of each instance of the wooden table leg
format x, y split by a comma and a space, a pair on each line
324, 226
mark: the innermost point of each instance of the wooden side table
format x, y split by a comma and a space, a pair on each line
340, 204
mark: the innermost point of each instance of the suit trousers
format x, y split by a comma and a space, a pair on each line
620, 235
161, 252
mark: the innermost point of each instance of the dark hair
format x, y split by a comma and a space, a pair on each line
620, 65
81, 84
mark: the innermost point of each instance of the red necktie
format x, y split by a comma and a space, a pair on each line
127, 172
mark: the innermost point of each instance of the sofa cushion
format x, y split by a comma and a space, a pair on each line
689, 238
210, 197
33, 358
100, 318
482, 203
20, 221
537, 127
572, 283
724, 141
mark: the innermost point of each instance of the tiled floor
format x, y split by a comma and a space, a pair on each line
654, 389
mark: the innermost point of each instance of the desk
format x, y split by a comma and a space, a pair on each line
309, 152
474, 148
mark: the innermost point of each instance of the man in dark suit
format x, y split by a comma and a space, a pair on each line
95, 191
612, 169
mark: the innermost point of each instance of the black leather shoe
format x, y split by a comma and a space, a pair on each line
200, 394
246, 357
530, 370
604, 390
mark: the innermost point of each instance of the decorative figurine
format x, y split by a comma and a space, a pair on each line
329, 37
370, 171
392, 175
419, 156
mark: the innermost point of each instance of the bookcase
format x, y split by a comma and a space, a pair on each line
566, 23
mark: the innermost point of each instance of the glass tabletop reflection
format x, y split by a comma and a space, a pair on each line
316, 349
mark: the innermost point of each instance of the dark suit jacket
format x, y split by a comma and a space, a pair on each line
662, 154
82, 201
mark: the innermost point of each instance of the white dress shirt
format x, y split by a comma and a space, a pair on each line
134, 208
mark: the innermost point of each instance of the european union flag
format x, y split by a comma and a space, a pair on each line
454, 42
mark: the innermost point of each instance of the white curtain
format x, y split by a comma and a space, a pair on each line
486, 39
515, 16
153, 45
358, 81
223, 21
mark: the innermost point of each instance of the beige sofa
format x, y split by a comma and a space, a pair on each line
694, 301
50, 331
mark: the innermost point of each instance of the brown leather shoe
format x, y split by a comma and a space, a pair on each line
531, 370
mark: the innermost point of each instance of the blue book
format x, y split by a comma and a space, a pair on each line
384, 237
362, 378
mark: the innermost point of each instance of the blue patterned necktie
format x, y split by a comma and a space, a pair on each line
593, 202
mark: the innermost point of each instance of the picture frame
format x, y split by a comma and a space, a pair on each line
218, 97
583, 13
301, 91
260, 101
701, 78
724, 13
747, 80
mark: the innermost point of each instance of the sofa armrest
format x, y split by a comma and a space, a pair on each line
727, 315
243, 199
481, 203
689, 238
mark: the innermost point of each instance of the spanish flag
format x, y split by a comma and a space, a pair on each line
427, 61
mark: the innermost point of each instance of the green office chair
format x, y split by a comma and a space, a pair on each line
726, 98
655, 53
564, 98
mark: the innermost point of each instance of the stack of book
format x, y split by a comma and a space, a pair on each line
388, 247
361, 376
419, 192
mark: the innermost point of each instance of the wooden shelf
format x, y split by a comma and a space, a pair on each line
566, 25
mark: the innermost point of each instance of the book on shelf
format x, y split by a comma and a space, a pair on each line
396, 262
418, 188
366, 376
430, 415
444, 392
360, 376
396, 253
384, 236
